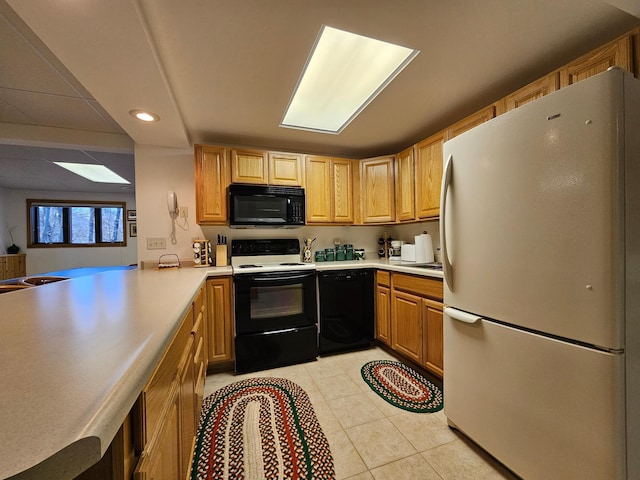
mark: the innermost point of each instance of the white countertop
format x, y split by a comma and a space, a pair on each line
75, 355
382, 264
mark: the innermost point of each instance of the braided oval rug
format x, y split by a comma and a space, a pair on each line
260, 428
402, 386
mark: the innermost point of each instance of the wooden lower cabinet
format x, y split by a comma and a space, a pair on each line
161, 460
415, 330
167, 412
13, 266
220, 319
406, 325
432, 346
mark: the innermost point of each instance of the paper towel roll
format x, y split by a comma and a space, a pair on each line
424, 248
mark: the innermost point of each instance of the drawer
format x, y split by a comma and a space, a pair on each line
422, 286
383, 278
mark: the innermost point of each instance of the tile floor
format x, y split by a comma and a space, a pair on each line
371, 439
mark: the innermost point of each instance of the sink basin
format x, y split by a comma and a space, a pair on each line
41, 280
432, 265
12, 287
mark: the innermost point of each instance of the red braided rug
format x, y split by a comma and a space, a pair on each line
261, 428
402, 386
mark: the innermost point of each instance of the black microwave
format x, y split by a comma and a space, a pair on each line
266, 206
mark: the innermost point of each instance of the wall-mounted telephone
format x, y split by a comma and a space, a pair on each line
172, 204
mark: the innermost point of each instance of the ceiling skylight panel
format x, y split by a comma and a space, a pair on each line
95, 173
343, 74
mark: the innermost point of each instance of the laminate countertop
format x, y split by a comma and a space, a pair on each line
75, 355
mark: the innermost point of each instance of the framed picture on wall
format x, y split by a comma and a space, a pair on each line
133, 229
131, 215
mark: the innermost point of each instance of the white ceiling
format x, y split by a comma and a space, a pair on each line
222, 72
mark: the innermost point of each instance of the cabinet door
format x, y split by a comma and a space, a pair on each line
377, 189
433, 351
405, 186
533, 91
342, 189
249, 166
285, 169
614, 54
162, 460
383, 314
406, 325
471, 121
212, 180
429, 176
220, 319
318, 191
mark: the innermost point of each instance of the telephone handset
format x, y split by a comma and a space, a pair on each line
172, 204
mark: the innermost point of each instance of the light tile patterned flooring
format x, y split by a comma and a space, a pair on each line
371, 439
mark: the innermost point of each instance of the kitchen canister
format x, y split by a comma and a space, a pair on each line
424, 248
329, 254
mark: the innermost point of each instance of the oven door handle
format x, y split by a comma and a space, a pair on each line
279, 279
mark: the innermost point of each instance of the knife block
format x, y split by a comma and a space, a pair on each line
221, 256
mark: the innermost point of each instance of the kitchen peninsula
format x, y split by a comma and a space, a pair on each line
78, 353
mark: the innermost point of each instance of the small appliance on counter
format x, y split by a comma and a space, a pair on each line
395, 252
408, 252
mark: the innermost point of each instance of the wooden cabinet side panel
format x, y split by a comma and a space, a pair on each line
429, 176
433, 347
405, 186
342, 183
212, 180
220, 319
318, 189
383, 314
377, 190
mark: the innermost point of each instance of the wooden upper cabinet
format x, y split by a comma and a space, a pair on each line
212, 180
318, 193
471, 121
533, 91
428, 157
614, 54
342, 190
377, 189
405, 186
329, 189
285, 169
249, 166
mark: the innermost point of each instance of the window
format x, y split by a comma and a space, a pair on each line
65, 223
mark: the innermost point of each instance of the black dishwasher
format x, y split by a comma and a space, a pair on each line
346, 310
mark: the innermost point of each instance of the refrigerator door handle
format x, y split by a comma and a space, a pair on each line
446, 182
461, 316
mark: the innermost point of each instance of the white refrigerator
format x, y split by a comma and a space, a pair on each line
540, 229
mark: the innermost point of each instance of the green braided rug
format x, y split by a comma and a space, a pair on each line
402, 386
260, 428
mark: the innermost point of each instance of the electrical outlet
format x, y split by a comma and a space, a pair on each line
156, 243
184, 212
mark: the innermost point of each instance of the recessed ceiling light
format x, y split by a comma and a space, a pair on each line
144, 115
93, 172
343, 74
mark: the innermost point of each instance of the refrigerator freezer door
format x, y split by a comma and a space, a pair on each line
533, 218
544, 408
